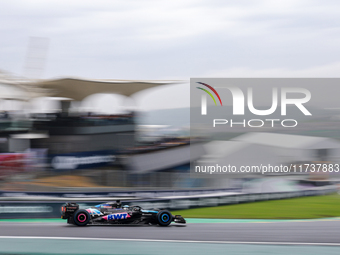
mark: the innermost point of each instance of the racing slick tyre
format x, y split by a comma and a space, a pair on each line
164, 218
81, 217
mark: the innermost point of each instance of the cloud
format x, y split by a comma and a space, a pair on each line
175, 39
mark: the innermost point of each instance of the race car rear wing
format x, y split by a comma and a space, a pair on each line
68, 210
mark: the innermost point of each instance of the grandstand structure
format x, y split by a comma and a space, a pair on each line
85, 139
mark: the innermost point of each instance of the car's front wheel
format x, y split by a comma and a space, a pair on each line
164, 218
81, 218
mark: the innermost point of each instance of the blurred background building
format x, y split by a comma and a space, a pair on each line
112, 150
70, 146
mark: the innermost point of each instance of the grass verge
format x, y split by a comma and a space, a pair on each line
295, 208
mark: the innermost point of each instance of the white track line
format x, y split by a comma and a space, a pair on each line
166, 241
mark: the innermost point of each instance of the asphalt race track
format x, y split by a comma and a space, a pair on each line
307, 232
231, 237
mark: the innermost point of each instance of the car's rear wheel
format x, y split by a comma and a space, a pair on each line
164, 218
81, 218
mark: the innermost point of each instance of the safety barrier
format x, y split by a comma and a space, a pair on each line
51, 209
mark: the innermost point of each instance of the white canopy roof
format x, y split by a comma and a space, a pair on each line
238, 154
74, 88
78, 89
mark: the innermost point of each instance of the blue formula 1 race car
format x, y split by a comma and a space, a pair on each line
112, 213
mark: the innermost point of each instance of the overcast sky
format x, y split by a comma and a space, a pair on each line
178, 39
